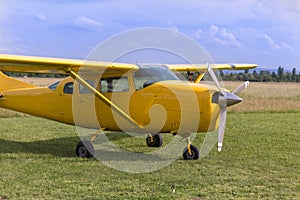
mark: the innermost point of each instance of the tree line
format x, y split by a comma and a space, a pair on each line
263, 76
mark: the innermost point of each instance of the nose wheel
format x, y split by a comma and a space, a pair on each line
190, 152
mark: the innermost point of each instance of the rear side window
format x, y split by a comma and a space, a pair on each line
114, 84
84, 90
68, 88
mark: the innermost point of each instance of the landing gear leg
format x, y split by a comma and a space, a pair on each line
190, 152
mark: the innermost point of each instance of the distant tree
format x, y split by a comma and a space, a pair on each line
294, 75
288, 77
282, 78
279, 73
274, 77
221, 73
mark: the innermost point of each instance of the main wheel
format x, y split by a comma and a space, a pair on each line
194, 153
154, 141
85, 149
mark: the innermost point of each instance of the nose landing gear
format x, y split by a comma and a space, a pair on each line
190, 152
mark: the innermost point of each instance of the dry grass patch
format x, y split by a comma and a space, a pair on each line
267, 97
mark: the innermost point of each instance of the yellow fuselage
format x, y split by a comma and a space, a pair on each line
167, 106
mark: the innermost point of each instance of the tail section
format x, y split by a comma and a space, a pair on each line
8, 83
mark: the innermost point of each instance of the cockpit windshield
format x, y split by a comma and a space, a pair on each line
149, 74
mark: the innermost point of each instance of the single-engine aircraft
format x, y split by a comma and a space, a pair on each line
140, 86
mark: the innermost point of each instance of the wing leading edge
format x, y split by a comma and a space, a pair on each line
16, 63
204, 67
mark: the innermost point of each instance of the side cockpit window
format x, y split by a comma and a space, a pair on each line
84, 90
114, 84
54, 85
68, 88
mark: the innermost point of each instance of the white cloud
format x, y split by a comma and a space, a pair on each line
40, 17
281, 12
271, 41
224, 37
171, 25
287, 46
198, 33
86, 22
276, 45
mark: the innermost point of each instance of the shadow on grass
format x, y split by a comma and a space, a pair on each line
65, 147
61, 147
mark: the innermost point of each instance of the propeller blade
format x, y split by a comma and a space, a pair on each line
241, 87
222, 125
214, 78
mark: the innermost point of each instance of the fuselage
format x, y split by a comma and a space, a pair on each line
157, 105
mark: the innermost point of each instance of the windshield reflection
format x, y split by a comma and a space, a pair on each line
149, 74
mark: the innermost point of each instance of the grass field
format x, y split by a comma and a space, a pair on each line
260, 158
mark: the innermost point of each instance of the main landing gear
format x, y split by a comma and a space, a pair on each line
154, 140
85, 148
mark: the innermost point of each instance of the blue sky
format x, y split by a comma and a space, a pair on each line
266, 32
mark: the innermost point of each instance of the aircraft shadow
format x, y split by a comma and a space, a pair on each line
65, 147
60, 147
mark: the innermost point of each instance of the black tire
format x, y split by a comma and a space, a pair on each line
157, 140
85, 149
194, 151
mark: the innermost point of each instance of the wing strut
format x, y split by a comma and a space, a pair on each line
199, 77
102, 98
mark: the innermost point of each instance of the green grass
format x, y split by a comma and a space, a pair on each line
260, 160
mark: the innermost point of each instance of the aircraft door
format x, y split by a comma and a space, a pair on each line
117, 89
83, 106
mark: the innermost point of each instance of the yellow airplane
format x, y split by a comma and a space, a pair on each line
142, 98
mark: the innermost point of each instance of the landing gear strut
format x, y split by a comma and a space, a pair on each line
190, 152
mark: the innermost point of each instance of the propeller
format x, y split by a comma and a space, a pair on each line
241, 87
224, 99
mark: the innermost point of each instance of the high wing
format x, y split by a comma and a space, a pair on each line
15, 63
202, 68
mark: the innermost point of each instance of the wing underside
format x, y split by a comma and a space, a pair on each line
15, 63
